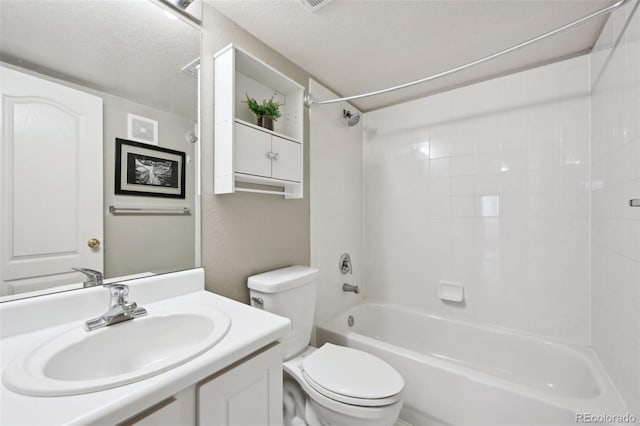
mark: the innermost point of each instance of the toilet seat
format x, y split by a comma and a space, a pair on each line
351, 376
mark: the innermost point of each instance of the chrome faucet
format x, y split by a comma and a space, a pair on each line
349, 287
120, 309
94, 278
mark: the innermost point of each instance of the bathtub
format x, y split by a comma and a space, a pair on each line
459, 373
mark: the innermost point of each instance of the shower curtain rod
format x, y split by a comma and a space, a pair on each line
310, 100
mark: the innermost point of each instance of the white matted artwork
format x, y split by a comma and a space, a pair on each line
142, 129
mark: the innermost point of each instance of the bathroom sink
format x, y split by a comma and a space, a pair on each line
76, 361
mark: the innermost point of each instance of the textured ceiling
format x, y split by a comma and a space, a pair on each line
356, 46
130, 48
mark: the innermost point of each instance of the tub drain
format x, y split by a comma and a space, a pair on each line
351, 320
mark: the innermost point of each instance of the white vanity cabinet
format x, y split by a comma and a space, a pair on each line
180, 410
265, 155
236, 381
245, 152
247, 393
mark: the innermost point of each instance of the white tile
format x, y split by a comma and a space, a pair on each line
514, 158
632, 157
545, 181
487, 228
439, 167
631, 191
440, 186
440, 206
575, 179
463, 137
615, 234
462, 206
514, 205
633, 240
462, 166
514, 182
487, 162
489, 202
463, 185
545, 156
439, 136
513, 129
487, 184
487, 206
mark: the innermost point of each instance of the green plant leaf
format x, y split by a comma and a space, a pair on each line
270, 107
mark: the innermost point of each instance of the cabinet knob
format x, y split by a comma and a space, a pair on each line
276, 156
270, 155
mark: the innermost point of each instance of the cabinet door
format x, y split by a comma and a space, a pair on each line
178, 410
246, 394
287, 162
252, 151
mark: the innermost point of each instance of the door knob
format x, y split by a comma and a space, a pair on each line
94, 243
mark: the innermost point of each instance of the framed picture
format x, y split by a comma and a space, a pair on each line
147, 170
141, 129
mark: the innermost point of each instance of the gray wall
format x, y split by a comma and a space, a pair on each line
146, 243
244, 234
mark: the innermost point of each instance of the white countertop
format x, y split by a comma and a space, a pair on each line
251, 329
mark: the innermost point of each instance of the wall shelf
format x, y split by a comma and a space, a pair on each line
245, 152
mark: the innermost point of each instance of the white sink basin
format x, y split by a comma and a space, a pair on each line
77, 361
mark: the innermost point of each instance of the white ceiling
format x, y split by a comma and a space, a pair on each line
356, 46
129, 48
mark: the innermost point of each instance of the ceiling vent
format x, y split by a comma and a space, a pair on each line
314, 5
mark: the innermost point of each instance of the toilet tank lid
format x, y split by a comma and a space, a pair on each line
282, 279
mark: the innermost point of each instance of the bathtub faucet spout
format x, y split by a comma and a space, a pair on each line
349, 287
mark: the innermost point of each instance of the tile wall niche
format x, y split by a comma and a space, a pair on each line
486, 185
615, 256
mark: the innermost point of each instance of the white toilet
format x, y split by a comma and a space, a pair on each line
341, 386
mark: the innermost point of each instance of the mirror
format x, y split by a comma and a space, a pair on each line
78, 75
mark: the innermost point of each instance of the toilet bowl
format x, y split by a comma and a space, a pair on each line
339, 385
331, 378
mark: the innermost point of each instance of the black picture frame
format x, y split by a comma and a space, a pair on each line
148, 170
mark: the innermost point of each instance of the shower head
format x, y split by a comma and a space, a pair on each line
352, 119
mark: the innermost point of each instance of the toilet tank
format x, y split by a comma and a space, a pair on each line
291, 293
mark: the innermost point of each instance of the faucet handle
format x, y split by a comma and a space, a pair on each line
94, 277
119, 293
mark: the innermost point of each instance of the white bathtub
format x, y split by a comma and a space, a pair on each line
459, 373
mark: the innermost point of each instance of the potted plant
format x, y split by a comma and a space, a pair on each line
267, 112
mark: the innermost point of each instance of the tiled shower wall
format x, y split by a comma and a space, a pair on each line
486, 185
335, 172
615, 258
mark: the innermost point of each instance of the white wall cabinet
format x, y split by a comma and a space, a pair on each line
262, 154
245, 152
248, 393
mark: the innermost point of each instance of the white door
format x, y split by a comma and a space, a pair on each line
51, 180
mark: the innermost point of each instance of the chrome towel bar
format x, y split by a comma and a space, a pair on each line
150, 210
